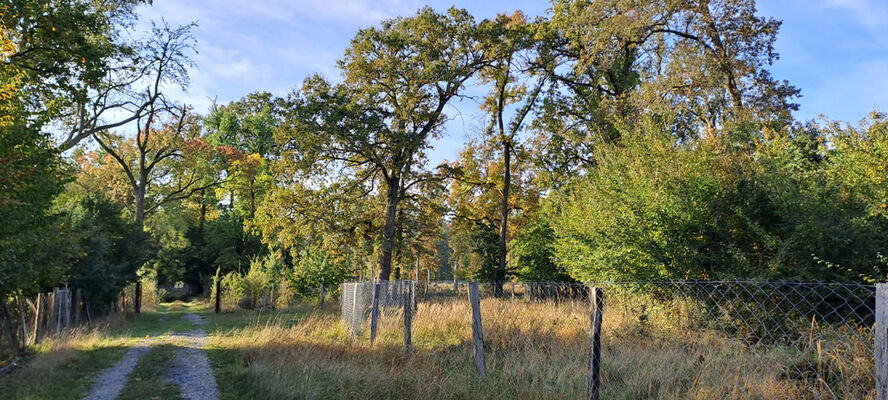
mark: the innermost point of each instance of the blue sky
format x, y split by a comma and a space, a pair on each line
836, 51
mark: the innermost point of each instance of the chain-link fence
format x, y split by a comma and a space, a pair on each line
666, 340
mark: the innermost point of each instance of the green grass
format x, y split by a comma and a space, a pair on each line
60, 374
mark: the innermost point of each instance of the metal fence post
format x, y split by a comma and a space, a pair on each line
881, 338
593, 384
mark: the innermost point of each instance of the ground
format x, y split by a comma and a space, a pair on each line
535, 350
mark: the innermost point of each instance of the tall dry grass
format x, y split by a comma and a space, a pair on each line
540, 351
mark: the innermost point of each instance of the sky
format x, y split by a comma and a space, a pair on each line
835, 51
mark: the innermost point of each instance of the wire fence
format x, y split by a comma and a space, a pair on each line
668, 340
27, 320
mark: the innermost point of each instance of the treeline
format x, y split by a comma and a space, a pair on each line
620, 141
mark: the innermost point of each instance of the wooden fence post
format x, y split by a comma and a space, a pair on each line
137, 301
39, 313
408, 319
77, 309
7, 323
123, 301
66, 317
218, 295
56, 310
477, 329
264, 297
374, 312
24, 324
881, 345
593, 384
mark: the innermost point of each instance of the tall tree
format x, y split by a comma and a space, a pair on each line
376, 126
507, 42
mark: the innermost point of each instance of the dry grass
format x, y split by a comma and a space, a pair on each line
534, 351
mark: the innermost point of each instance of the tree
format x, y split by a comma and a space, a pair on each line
107, 251
700, 65
61, 51
162, 163
506, 40
376, 126
32, 173
244, 131
712, 209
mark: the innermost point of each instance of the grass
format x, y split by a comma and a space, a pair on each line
534, 351
147, 379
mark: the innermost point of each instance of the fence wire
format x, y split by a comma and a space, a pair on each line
666, 340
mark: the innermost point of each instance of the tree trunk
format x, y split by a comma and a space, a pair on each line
504, 225
140, 205
252, 198
391, 219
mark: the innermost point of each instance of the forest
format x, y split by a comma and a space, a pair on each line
622, 142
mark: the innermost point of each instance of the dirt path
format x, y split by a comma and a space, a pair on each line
109, 385
190, 369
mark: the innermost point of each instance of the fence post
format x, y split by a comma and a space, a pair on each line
39, 313
8, 322
218, 295
264, 297
56, 309
67, 300
596, 299
123, 301
322, 295
374, 312
24, 324
881, 345
408, 319
77, 309
477, 329
137, 301
271, 296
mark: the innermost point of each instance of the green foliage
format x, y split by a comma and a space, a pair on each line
533, 251
485, 245
108, 249
61, 49
317, 266
709, 209
245, 289
31, 174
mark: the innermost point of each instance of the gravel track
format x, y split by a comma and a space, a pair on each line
190, 368
109, 385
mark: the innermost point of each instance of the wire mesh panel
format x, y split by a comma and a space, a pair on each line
357, 299
766, 339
